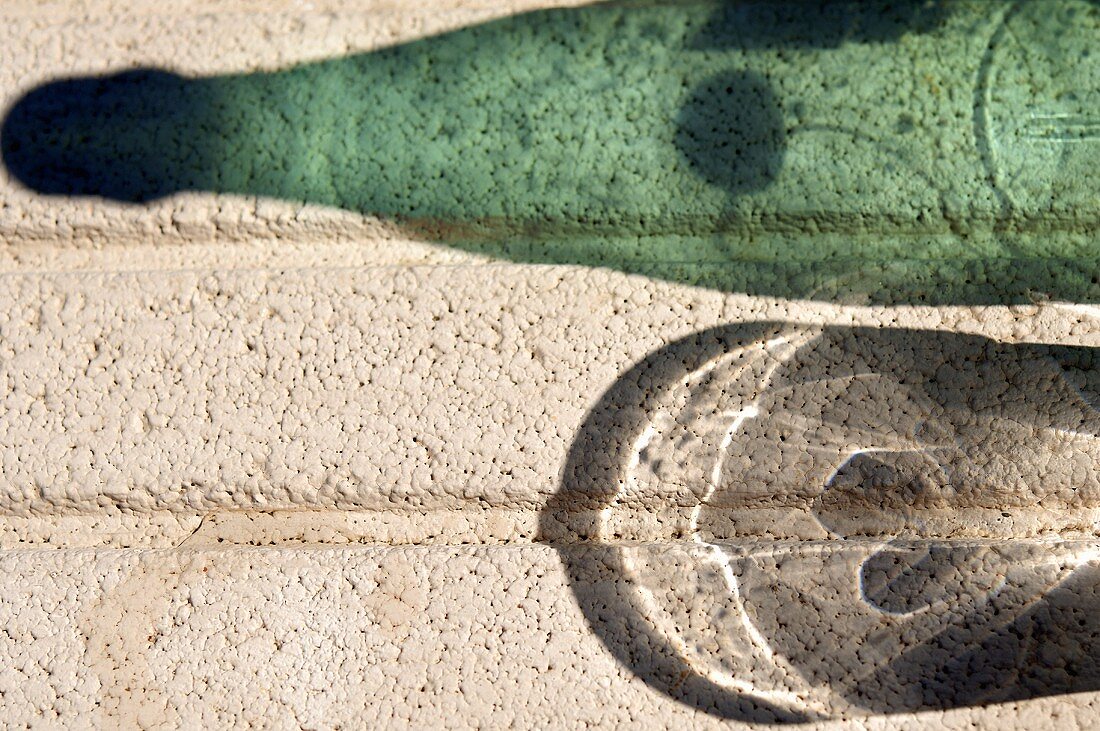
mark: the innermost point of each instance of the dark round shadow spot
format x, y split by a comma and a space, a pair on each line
730, 131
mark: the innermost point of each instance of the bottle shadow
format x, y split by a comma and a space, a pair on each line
548, 122
727, 542
619, 135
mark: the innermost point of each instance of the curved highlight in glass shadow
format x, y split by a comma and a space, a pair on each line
778, 522
591, 479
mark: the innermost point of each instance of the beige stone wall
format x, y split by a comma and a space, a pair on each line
274, 465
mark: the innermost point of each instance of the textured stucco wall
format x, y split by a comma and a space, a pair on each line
274, 464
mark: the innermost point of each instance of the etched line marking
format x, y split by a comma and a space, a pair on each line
1062, 127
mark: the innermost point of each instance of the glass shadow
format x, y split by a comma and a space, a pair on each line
733, 145
777, 522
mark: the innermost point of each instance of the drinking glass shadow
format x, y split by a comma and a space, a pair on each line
777, 522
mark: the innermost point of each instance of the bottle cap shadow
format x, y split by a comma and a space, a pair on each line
116, 137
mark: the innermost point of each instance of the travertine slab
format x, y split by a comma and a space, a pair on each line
423, 637
275, 465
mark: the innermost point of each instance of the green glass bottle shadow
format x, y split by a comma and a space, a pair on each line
682, 141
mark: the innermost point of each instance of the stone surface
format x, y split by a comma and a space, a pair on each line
271, 464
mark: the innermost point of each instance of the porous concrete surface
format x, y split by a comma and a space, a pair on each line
274, 465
